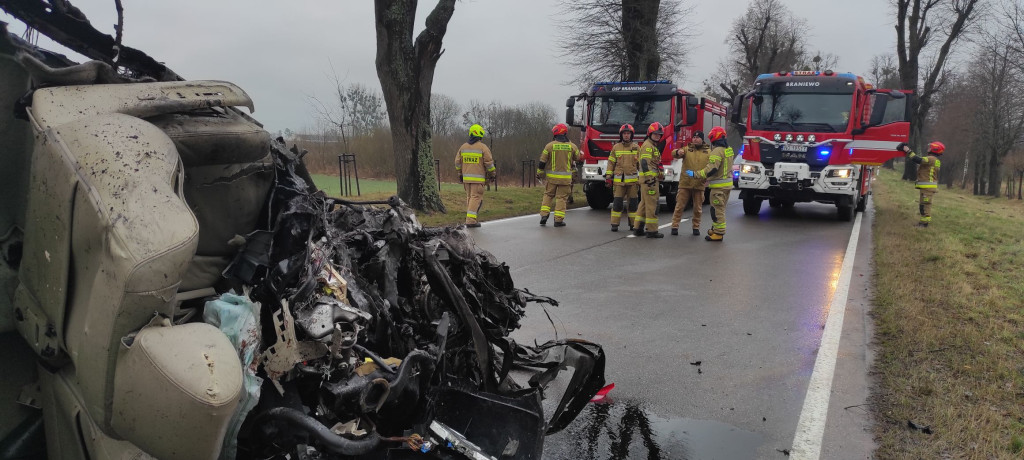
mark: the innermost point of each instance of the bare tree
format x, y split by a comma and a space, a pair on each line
885, 71
1000, 98
624, 39
444, 112
768, 37
920, 24
355, 110
406, 72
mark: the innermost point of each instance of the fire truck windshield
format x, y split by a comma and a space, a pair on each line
609, 113
801, 111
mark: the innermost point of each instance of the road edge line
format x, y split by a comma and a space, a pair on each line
810, 429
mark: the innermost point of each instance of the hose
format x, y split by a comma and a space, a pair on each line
332, 442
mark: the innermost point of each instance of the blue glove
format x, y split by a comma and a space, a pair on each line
689, 173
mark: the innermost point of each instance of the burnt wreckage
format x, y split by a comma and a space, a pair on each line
293, 325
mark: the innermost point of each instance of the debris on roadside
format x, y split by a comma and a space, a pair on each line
926, 429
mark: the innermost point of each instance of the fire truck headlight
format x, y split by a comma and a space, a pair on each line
789, 137
750, 169
799, 137
843, 173
778, 137
669, 172
591, 170
811, 138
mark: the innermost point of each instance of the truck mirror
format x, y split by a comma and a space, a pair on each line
570, 116
736, 110
878, 110
571, 102
691, 115
691, 101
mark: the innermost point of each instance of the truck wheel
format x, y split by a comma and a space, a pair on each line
599, 197
775, 202
752, 205
670, 202
862, 203
845, 212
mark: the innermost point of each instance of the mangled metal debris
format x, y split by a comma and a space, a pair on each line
388, 337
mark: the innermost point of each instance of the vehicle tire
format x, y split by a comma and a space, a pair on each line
752, 206
862, 203
845, 212
775, 202
599, 197
670, 202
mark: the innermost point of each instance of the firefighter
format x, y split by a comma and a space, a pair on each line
622, 177
695, 158
717, 173
474, 164
651, 173
555, 168
927, 176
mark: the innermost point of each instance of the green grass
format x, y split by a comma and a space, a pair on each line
498, 204
949, 324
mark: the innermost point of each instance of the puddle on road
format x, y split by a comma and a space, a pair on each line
624, 430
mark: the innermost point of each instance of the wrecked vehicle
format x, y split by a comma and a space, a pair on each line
174, 286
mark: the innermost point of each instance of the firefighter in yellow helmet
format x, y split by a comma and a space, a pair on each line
622, 178
695, 157
651, 173
717, 172
475, 166
555, 168
927, 177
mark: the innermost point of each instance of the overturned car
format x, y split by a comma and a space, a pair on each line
175, 286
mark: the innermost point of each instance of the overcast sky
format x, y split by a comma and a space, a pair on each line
281, 52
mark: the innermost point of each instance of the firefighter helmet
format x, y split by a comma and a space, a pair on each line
560, 130
716, 133
477, 131
626, 127
655, 128
936, 148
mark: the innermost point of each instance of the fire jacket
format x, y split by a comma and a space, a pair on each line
623, 162
558, 161
718, 172
695, 158
650, 161
927, 170
474, 162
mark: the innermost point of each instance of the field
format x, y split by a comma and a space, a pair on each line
949, 325
498, 204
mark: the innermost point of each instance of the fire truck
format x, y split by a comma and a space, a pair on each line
816, 136
609, 105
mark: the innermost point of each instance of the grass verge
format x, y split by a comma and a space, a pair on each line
949, 325
498, 204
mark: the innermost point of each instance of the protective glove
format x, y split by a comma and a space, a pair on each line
689, 173
661, 175
608, 182
540, 175
460, 178
903, 147
492, 175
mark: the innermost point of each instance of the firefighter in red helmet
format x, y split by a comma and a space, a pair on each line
651, 173
555, 168
927, 177
622, 177
717, 173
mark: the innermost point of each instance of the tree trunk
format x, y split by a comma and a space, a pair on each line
995, 179
406, 73
639, 32
1020, 184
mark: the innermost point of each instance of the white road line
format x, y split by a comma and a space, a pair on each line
659, 227
535, 215
811, 428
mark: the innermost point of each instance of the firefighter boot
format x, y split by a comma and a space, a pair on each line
543, 221
638, 230
696, 232
655, 235
559, 224
711, 236
675, 231
615, 228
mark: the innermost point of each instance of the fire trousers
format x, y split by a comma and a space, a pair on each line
559, 194
647, 214
682, 197
719, 197
622, 195
474, 200
926, 204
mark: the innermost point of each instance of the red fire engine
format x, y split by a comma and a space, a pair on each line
609, 105
816, 136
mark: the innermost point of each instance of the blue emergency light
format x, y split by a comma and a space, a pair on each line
824, 153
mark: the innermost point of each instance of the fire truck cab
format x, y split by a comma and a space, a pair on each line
812, 136
609, 105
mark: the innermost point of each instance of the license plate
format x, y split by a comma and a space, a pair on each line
794, 148
800, 156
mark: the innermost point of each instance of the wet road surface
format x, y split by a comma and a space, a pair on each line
750, 310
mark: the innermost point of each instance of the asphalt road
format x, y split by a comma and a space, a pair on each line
751, 310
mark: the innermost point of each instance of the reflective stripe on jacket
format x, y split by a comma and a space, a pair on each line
559, 159
474, 161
